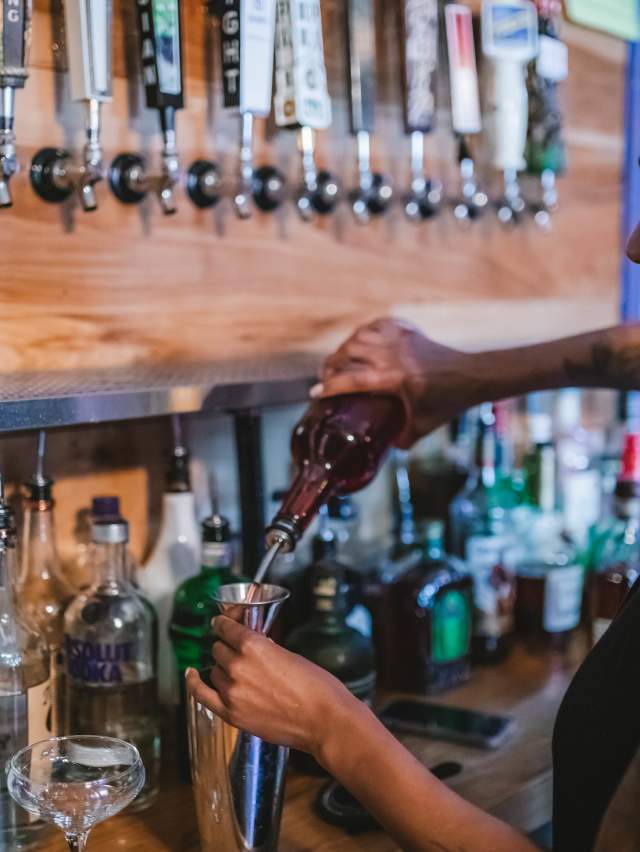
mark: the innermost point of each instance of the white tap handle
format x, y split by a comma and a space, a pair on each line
88, 37
257, 41
506, 115
510, 42
463, 74
301, 96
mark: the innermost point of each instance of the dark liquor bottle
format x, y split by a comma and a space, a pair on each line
329, 642
550, 579
422, 628
615, 555
337, 447
483, 535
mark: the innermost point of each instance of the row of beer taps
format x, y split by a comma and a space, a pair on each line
252, 33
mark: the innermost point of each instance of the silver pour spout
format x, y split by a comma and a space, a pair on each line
91, 171
309, 173
170, 172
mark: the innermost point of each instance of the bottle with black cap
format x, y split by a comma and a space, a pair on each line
25, 708
326, 639
109, 656
193, 609
174, 558
42, 589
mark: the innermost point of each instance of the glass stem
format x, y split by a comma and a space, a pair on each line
77, 842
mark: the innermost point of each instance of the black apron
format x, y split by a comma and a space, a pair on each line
597, 731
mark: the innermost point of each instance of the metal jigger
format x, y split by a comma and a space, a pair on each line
238, 779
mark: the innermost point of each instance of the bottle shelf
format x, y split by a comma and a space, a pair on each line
45, 399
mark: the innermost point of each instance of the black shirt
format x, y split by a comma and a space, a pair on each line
597, 731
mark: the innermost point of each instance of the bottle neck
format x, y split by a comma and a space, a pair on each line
329, 597
217, 557
111, 563
39, 554
7, 579
434, 549
485, 456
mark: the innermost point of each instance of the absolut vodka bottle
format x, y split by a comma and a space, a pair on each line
110, 673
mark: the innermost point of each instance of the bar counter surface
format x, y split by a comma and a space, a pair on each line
513, 782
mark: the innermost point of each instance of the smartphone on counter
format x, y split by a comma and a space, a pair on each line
439, 721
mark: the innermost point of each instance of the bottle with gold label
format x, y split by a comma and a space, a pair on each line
25, 694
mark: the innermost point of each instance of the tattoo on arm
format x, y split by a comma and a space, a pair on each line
607, 367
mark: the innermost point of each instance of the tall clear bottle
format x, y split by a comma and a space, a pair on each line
111, 679
483, 535
175, 558
42, 589
25, 694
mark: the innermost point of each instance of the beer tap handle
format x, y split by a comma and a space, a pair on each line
374, 192
301, 99
509, 42
419, 23
15, 37
161, 54
88, 39
465, 106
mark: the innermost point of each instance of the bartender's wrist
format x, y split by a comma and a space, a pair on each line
345, 724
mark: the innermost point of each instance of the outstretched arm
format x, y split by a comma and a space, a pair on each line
304, 707
437, 382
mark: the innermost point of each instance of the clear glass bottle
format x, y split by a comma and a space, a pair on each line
174, 558
550, 578
25, 693
615, 555
422, 626
42, 589
483, 536
109, 656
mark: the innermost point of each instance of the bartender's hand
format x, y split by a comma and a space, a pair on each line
263, 688
391, 355
282, 698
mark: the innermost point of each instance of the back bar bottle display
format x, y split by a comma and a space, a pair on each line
509, 43
374, 192
465, 106
54, 175
301, 97
420, 28
161, 63
247, 38
15, 38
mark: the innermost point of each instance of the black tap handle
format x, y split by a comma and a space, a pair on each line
15, 37
361, 40
161, 54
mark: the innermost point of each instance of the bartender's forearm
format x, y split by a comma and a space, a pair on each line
416, 809
608, 358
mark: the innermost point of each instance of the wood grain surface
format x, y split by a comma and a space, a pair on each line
513, 782
125, 284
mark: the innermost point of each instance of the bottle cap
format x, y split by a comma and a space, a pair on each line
216, 528
110, 531
39, 487
105, 507
628, 484
178, 476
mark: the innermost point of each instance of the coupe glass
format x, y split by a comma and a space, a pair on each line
75, 782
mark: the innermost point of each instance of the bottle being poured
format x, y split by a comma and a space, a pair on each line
337, 447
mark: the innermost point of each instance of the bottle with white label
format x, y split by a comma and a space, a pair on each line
109, 656
25, 694
482, 534
550, 579
175, 558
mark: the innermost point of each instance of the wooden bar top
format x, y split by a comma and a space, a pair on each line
512, 782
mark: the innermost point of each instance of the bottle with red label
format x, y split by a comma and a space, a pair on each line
615, 553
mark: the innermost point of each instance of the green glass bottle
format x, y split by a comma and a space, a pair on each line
193, 609
330, 643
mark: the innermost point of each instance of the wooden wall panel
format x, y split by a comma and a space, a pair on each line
124, 284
